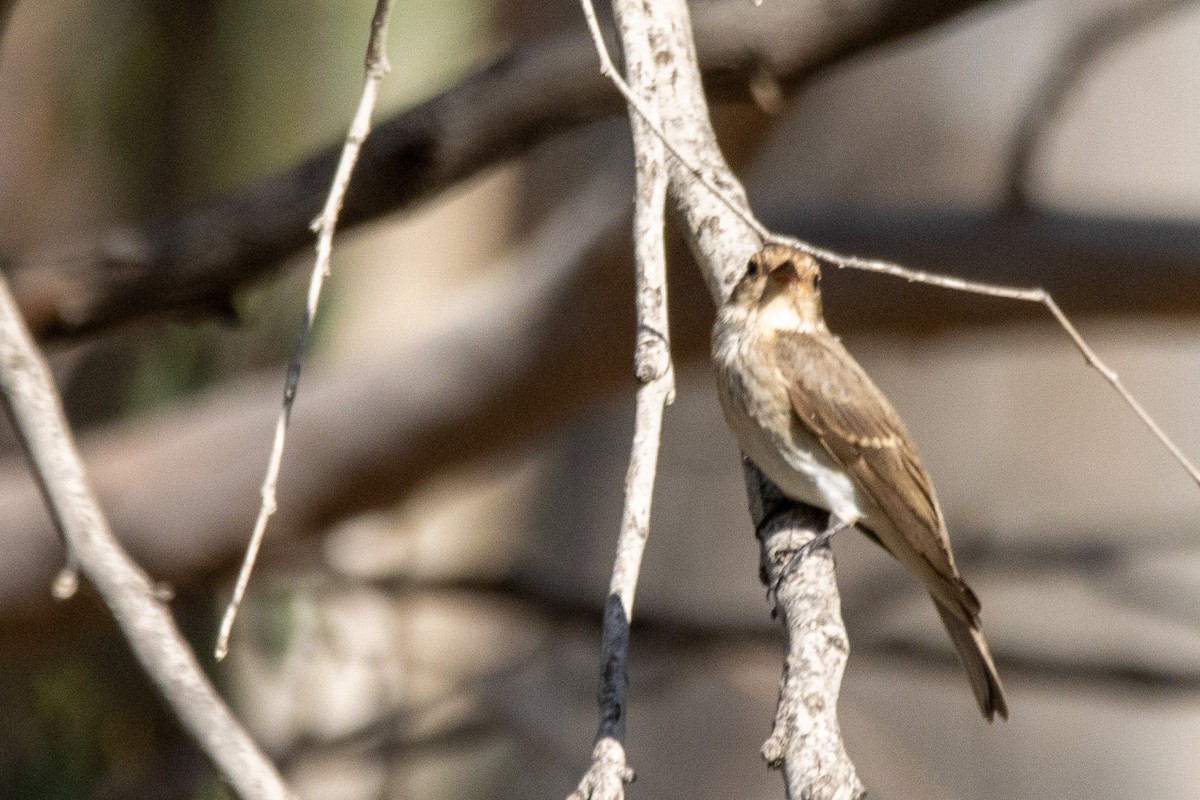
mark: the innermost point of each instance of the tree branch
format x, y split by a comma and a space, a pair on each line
722, 243
608, 774
806, 740
524, 357
195, 261
367, 431
376, 67
33, 405
1034, 295
1047, 248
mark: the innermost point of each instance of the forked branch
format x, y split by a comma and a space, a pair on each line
723, 234
722, 239
735, 203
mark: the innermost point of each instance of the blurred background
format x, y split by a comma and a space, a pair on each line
424, 623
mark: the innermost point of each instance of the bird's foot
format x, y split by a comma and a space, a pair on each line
796, 556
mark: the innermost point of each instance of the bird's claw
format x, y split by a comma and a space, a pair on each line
796, 556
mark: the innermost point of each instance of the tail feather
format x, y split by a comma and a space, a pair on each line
981, 671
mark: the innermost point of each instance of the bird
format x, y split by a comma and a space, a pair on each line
812, 420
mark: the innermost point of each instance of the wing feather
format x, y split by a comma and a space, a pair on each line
839, 405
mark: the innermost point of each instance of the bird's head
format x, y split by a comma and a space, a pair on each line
782, 281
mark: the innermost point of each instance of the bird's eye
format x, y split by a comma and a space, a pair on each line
752, 268
817, 281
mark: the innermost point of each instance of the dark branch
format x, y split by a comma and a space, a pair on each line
196, 261
425, 421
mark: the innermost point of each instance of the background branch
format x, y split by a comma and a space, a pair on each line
195, 261
1096, 39
508, 370
511, 355
524, 353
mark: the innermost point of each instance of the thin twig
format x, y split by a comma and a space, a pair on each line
34, 407
1029, 295
377, 67
609, 772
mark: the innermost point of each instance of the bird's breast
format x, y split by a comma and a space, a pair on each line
754, 397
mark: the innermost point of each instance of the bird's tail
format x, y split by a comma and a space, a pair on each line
981, 671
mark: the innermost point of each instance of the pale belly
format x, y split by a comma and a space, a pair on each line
793, 460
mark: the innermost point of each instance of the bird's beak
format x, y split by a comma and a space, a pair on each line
785, 273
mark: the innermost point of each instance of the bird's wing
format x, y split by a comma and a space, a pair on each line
839, 405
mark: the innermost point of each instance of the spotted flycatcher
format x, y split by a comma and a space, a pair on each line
811, 420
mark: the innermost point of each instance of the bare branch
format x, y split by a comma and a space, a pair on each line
1091, 43
806, 740
1047, 248
804, 777
608, 773
33, 405
376, 66
643, 116
733, 198
722, 242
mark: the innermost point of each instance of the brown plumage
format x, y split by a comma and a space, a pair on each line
813, 421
